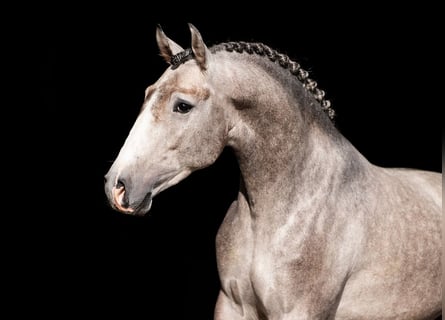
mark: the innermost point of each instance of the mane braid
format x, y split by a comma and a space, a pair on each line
284, 61
181, 57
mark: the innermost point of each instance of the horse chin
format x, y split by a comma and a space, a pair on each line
144, 206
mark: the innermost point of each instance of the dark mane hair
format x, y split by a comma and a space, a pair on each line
285, 62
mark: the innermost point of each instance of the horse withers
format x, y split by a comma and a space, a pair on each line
317, 231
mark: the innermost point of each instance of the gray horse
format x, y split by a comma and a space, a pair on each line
317, 231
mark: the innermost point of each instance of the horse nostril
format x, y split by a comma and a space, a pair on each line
120, 184
123, 198
125, 202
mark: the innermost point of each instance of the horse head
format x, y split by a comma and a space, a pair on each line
180, 129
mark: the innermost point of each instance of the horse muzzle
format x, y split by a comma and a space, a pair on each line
121, 199
135, 197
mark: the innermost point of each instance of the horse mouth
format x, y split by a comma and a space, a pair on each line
120, 198
144, 206
121, 203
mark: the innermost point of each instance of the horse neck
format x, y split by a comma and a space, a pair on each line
285, 160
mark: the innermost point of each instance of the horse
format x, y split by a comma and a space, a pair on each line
316, 231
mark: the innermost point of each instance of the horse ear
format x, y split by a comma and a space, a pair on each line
167, 47
199, 48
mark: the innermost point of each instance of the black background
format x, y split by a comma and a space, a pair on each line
78, 257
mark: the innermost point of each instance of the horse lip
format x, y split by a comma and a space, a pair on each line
144, 206
118, 194
138, 209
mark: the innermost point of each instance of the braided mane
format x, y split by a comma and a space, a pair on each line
284, 61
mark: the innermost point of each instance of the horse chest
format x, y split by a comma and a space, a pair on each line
234, 243
242, 279
246, 267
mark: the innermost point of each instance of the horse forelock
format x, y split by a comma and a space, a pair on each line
285, 62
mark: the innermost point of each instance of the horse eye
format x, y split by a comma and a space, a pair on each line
182, 107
